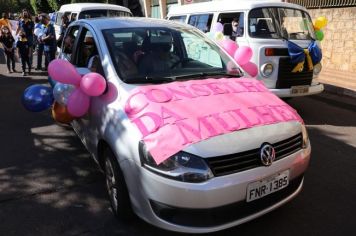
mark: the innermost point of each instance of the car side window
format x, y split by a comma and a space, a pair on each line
87, 54
68, 42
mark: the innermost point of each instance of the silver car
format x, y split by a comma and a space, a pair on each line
208, 185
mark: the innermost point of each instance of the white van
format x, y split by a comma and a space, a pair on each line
265, 26
78, 11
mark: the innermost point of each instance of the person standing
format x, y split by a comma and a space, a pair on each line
24, 52
237, 31
7, 41
4, 21
63, 29
40, 45
27, 25
49, 39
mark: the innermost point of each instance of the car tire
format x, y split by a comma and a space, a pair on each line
116, 187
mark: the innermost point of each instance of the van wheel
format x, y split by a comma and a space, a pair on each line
116, 187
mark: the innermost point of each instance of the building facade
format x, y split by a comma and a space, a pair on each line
159, 8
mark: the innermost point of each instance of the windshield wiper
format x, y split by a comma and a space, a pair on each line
205, 74
149, 79
158, 80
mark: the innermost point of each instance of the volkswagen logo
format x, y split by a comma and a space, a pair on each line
268, 155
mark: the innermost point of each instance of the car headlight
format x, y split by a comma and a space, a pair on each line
182, 166
317, 68
305, 137
267, 70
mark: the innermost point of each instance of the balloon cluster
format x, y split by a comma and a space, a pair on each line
320, 23
70, 95
241, 54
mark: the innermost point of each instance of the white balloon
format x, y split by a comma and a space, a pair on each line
37, 31
61, 92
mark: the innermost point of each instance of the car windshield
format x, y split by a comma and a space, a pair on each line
157, 55
275, 22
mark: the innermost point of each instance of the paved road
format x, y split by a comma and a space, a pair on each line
50, 186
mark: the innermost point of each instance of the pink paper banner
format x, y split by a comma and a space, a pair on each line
175, 115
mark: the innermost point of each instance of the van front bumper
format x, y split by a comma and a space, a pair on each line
313, 89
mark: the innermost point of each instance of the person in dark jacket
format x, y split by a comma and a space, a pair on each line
23, 47
49, 39
27, 25
7, 42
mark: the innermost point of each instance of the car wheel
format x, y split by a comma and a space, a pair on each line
116, 187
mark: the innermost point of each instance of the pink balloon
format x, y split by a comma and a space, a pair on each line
229, 46
78, 103
250, 68
64, 72
93, 84
243, 55
217, 27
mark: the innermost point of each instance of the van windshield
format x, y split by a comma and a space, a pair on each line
102, 13
157, 55
277, 22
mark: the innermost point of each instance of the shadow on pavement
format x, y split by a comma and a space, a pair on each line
48, 182
326, 109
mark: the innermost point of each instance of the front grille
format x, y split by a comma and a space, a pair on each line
223, 214
286, 78
233, 163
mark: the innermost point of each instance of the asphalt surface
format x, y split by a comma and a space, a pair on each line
50, 186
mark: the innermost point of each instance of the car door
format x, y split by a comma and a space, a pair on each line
87, 47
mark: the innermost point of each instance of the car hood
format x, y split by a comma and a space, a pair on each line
244, 140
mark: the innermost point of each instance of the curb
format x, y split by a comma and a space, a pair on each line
328, 88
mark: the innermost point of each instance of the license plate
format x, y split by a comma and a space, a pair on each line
299, 89
261, 188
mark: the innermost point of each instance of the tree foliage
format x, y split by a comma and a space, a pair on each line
40, 6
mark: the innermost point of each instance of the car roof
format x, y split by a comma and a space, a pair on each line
131, 22
75, 7
228, 5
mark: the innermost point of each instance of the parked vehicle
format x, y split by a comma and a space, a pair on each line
215, 183
76, 11
265, 26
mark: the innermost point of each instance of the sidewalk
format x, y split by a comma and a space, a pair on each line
338, 82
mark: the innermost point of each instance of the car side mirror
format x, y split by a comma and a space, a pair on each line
83, 70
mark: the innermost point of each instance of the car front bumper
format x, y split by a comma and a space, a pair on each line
218, 203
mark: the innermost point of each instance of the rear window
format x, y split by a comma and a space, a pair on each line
102, 13
178, 18
202, 22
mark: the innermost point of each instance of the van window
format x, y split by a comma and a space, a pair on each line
178, 18
232, 29
59, 18
73, 17
101, 13
202, 22
277, 22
